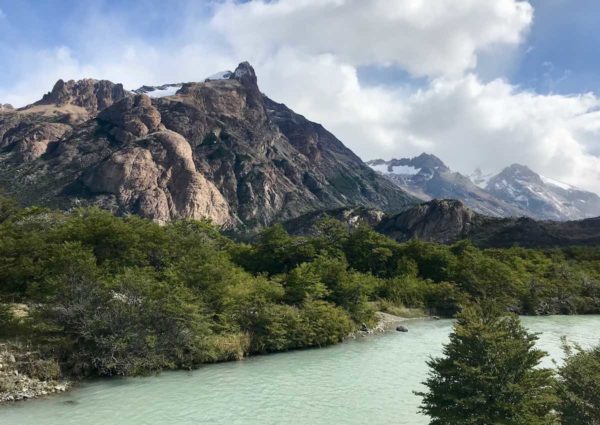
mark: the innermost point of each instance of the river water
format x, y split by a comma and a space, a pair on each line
366, 381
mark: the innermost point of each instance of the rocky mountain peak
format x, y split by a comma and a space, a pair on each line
428, 177
245, 74
92, 95
543, 197
425, 164
429, 161
6, 107
520, 172
217, 148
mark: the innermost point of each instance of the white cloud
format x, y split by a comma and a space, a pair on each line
307, 53
425, 37
466, 122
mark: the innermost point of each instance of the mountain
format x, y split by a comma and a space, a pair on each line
218, 149
427, 177
516, 191
542, 197
448, 221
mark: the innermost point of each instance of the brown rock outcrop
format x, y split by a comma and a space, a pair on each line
92, 95
132, 118
156, 178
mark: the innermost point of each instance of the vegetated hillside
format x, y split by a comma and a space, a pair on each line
216, 149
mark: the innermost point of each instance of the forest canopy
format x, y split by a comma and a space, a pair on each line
110, 295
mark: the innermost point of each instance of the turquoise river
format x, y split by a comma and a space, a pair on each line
365, 381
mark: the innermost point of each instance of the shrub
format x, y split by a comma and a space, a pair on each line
489, 374
579, 387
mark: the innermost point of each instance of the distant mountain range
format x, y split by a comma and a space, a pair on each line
514, 192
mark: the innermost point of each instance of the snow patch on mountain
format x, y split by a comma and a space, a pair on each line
405, 169
223, 75
557, 183
395, 169
159, 91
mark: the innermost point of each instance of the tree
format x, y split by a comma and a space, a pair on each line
304, 282
579, 387
8, 206
489, 374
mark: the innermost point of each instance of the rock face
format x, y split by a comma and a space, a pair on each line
427, 177
444, 221
158, 179
218, 149
542, 197
91, 95
449, 221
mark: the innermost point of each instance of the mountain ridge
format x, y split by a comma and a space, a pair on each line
428, 177
516, 191
217, 149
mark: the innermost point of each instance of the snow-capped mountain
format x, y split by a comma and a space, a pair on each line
427, 177
543, 197
516, 191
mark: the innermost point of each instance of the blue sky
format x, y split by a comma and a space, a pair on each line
480, 83
560, 53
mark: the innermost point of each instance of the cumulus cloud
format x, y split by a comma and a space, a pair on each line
424, 37
307, 54
467, 122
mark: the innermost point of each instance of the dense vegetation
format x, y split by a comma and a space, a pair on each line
106, 295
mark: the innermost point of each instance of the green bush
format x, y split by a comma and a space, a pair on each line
489, 374
579, 387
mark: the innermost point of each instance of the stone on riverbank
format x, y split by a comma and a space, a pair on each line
23, 375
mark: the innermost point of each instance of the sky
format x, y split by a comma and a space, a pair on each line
479, 83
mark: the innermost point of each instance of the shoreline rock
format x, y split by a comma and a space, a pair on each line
385, 322
16, 384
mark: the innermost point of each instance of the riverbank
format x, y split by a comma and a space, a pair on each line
386, 322
23, 375
367, 380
